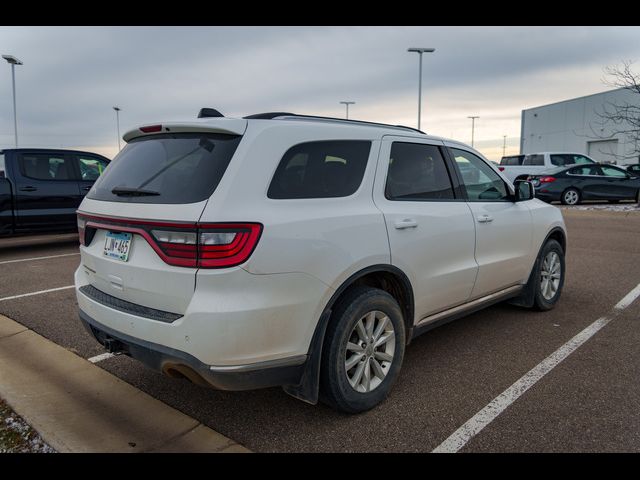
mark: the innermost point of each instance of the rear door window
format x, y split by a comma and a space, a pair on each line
322, 169
167, 168
43, 166
561, 160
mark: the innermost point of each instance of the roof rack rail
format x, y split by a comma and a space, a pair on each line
294, 116
269, 115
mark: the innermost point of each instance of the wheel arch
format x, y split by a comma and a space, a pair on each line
526, 299
558, 234
384, 276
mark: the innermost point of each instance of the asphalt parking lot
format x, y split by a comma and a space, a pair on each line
588, 403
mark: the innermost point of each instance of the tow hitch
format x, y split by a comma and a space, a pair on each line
114, 346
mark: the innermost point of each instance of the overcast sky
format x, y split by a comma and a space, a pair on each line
73, 76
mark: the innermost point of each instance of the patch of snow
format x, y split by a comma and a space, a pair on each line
613, 207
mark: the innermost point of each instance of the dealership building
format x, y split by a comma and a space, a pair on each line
575, 126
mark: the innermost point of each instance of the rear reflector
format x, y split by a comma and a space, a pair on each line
81, 231
211, 245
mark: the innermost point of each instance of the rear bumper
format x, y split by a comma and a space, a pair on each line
548, 196
178, 364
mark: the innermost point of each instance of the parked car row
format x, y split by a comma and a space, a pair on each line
521, 166
571, 185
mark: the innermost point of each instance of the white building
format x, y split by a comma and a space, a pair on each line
574, 126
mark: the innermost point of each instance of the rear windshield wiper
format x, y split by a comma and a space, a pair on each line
133, 192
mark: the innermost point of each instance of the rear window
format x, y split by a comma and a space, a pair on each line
321, 169
511, 161
167, 168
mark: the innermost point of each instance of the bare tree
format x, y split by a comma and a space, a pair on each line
622, 118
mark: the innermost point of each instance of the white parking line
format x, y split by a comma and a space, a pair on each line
38, 258
36, 293
99, 358
484, 417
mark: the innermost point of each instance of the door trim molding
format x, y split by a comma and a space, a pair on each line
472, 305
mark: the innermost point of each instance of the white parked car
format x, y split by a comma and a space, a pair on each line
520, 166
303, 252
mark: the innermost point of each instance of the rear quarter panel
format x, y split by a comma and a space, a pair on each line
328, 238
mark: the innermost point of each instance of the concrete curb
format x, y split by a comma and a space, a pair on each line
78, 407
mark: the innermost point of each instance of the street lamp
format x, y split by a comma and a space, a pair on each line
347, 105
13, 61
117, 109
473, 122
420, 51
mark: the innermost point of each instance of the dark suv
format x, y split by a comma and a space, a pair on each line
41, 189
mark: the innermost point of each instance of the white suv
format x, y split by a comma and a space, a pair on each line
304, 252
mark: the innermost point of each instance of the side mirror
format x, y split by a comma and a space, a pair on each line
524, 190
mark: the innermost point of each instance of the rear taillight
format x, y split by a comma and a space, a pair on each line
501, 169
226, 245
211, 245
547, 179
177, 244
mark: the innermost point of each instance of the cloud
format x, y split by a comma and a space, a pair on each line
72, 76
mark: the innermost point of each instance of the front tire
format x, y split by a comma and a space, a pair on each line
363, 350
571, 196
549, 276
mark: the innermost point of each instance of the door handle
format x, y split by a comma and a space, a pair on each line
406, 223
86, 188
28, 188
485, 218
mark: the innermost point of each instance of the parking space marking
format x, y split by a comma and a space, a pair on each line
36, 293
484, 417
39, 258
99, 358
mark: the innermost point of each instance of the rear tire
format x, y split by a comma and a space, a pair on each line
571, 196
355, 378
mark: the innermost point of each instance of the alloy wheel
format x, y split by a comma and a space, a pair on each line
550, 275
370, 351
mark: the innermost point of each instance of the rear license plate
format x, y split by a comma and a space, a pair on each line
117, 245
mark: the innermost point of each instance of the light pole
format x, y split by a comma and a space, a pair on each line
420, 51
347, 105
504, 144
473, 123
117, 109
13, 61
